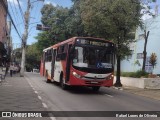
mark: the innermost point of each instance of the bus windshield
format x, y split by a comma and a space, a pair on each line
93, 57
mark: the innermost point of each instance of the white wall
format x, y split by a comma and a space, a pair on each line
153, 46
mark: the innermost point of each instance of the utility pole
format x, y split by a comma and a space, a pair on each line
24, 38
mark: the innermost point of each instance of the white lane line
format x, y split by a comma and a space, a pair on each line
39, 97
36, 92
118, 88
31, 86
44, 105
108, 95
53, 118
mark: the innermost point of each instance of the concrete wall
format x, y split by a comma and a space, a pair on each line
145, 83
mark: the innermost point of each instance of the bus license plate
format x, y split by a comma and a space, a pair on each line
93, 82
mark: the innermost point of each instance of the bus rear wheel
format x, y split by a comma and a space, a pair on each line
95, 88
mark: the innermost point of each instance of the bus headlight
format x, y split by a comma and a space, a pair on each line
110, 77
76, 75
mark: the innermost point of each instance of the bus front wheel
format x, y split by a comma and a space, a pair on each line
95, 88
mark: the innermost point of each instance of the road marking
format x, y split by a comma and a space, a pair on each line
118, 88
108, 95
39, 97
44, 105
7, 85
36, 92
31, 85
53, 118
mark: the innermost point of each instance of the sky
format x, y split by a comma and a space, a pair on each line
35, 18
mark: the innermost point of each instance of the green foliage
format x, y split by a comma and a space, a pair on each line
32, 57
55, 18
113, 20
103, 18
137, 74
44, 40
64, 23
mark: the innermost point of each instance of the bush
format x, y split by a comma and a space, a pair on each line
137, 74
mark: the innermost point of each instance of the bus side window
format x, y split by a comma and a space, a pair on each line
64, 52
49, 55
45, 56
57, 55
61, 52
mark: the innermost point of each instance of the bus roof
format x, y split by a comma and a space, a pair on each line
72, 40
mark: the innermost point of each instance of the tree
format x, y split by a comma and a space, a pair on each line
153, 59
32, 57
55, 18
74, 20
45, 39
114, 20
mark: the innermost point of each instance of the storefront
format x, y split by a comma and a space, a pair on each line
3, 54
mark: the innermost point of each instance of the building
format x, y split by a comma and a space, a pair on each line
3, 31
135, 61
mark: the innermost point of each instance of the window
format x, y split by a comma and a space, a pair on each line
141, 36
62, 52
48, 56
92, 57
139, 55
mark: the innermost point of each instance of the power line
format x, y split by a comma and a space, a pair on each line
14, 15
37, 15
18, 14
21, 11
5, 7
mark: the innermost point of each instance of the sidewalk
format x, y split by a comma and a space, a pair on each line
17, 95
137, 86
150, 93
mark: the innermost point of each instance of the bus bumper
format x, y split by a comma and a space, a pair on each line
74, 81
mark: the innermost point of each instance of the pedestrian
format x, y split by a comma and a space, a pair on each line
11, 69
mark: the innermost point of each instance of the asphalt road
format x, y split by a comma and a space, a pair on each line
84, 99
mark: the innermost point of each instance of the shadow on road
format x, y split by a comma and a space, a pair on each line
84, 90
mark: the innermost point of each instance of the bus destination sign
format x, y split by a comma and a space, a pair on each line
92, 42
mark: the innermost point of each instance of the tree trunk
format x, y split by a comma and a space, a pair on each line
145, 47
23, 61
118, 81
